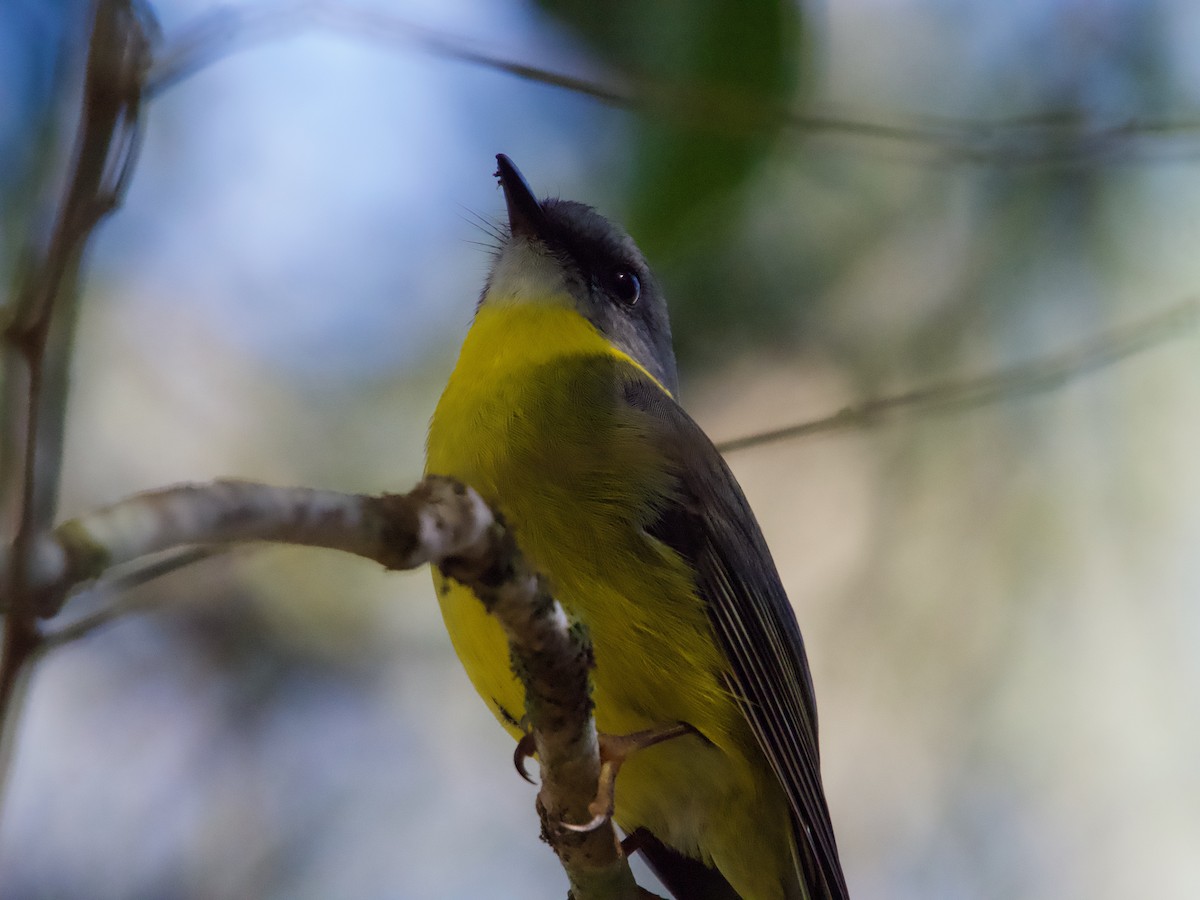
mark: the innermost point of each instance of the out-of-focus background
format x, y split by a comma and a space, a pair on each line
1000, 603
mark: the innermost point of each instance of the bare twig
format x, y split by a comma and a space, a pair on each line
1043, 139
1008, 384
124, 599
441, 522
37, 323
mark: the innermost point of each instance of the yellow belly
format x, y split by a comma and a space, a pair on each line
542, 435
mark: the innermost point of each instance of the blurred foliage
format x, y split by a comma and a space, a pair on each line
712, 78
748, 266
714, 81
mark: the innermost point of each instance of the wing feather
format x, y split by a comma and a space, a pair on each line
709, 523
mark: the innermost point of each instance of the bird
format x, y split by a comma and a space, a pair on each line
562, 413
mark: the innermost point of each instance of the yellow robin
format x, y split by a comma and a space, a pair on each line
562, 413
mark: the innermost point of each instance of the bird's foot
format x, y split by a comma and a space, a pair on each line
614, 750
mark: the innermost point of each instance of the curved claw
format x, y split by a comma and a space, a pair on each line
602, 806
595, 822
526, 748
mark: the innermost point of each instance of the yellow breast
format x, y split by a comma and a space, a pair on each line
533, 419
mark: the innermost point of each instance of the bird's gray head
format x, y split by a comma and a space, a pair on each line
560, 251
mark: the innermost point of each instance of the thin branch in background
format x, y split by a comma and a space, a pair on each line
217, 34
1009, 384
38, 321
1040, 139
120, 597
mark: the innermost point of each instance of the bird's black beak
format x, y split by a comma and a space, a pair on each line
525, 215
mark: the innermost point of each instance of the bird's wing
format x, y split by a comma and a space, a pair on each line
710, 525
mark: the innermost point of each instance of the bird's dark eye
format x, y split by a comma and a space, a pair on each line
625, 285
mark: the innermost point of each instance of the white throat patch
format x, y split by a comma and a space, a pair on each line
525, 273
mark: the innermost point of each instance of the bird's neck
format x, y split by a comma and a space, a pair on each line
508, 337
